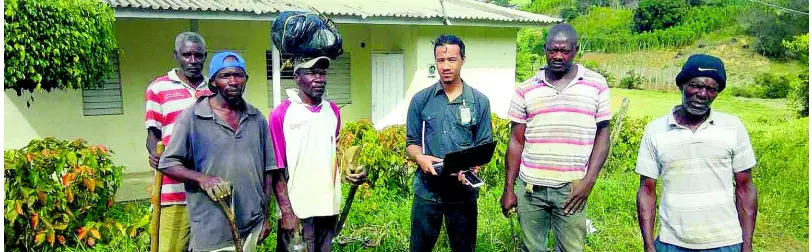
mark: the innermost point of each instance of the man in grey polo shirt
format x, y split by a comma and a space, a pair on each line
219, 142
697, 153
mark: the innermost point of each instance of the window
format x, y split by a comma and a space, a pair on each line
338, 78
105, 100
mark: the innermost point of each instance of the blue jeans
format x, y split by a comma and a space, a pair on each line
665, 247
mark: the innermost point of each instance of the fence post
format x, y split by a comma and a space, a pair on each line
617, 127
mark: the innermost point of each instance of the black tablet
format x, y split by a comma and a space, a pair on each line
467, 158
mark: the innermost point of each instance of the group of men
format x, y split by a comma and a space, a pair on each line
221, 148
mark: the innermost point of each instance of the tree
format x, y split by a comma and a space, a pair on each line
798, 47
772, 26
57, 44
658, 14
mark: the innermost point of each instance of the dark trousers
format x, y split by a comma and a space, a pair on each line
427, 220
316, 232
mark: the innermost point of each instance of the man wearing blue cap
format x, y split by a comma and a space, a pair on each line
697, 153
221, 150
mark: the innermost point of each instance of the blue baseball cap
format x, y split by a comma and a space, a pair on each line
218, 62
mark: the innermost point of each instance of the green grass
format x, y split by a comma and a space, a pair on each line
380, 218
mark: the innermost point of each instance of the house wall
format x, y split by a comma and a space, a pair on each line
146, 53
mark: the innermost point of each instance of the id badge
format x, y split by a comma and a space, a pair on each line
465, 115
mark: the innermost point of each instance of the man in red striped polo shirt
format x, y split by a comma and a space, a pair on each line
166, 97
559, 141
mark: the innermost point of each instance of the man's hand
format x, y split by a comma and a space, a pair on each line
215, 187
747, 247
425, 162
358, 178
289, 221
508, 203
650, 248
461, 176
153, 160
577, 200
266, 230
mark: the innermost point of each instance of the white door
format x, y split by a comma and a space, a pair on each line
388, 84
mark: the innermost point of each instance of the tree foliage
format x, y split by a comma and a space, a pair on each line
798, 47
659, 14
771, 27
57, 44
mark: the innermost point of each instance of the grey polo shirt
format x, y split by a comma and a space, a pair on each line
205, 143
698, 199
445, 132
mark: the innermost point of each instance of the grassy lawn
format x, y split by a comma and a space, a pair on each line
380, 218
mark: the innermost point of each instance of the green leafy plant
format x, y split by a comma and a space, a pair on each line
799, 96
383, 153
632, 80
58, 193
798, 47
57, 44
659, 14
529, 52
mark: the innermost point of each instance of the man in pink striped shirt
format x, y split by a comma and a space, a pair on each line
559, 141
166, 97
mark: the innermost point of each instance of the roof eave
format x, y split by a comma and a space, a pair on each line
129, 12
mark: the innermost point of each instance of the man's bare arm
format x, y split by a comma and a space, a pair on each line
747, 205
153, 136
646, 202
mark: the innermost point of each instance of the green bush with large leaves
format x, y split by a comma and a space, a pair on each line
58, 194
57, 44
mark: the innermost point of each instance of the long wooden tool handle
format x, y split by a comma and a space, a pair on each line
233, 224
155, 200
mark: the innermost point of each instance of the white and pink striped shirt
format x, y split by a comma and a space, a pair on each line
561, 125
165, 99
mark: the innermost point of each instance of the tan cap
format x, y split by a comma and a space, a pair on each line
320, 62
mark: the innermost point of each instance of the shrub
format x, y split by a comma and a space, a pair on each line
798, 47
529, 52
568, 14
770, 86
383, 153
742, 91
57, 44
658, 14
632, 80
623, 156
799, 96
58, 193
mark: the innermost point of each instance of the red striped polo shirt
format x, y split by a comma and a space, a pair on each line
166, 97
561, 125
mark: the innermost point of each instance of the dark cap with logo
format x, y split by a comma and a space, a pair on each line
703, 65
